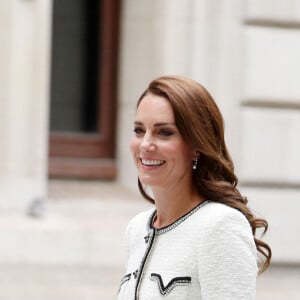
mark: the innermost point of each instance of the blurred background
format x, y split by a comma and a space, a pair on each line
70, 75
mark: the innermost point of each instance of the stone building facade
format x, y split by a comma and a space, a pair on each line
245, 52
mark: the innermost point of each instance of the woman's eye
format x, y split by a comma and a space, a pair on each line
138, 130
165, 132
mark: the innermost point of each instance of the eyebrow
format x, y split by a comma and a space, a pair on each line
156, 124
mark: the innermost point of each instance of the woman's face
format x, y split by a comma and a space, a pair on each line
162, 157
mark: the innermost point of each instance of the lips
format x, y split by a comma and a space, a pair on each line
152, 162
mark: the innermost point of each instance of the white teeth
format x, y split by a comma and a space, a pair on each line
152, 162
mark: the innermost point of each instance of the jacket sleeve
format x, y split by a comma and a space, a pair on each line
227, 259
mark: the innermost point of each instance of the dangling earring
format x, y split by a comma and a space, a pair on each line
195, 163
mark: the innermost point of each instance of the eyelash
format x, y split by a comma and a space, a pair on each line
165, 132
138, 130
162, 132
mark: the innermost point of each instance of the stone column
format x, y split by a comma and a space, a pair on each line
25, 33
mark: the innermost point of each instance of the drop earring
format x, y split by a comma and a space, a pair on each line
195, 163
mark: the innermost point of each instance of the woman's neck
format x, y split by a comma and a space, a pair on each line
173, 203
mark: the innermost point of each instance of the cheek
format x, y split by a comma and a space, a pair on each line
186, 154
180, 153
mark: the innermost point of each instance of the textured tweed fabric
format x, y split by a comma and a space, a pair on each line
207, 254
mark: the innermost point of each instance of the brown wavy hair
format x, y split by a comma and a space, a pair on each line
201, 125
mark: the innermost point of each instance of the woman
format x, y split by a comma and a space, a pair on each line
198, 242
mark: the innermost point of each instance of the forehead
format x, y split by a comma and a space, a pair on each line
154, 108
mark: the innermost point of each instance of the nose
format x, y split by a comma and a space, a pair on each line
147, 143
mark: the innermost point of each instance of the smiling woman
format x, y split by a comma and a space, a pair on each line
158, 148
198, 242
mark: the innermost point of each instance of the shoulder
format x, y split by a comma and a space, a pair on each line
227, 247
226, 229
139, 223
218, 215
137, 228
142, 217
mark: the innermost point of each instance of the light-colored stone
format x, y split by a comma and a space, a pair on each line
271, 64
84, 224
24, 144
279, 208
269, 10
271, 145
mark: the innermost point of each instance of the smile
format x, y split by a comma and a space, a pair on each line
147, 162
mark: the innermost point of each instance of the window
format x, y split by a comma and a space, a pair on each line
83, 88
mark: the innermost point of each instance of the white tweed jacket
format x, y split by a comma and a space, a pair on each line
208, 253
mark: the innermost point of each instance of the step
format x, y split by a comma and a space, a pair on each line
82, 225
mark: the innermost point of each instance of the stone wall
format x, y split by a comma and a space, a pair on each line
247, 54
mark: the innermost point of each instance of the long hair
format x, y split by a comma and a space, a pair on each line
201, 125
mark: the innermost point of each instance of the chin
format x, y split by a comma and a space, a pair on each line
151, 182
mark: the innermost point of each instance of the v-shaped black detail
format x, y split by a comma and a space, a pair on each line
173, 282
124, 279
